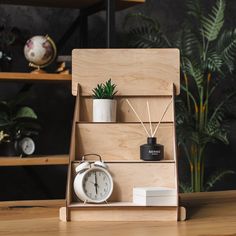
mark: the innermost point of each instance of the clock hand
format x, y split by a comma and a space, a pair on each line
96, 185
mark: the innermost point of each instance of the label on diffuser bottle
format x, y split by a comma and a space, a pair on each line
154, 152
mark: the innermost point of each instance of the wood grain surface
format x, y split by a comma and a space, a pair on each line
120, 141
211, 219
124, 112
126, 176
134, 71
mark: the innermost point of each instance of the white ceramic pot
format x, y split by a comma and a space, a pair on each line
104, 110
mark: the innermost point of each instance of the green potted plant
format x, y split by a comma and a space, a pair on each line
16, 122
104, 105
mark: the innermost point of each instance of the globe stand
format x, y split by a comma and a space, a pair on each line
38, 69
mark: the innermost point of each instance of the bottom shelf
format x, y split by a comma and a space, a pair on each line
116, 212
111, 205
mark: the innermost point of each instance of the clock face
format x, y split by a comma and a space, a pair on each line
27, 146
97, 185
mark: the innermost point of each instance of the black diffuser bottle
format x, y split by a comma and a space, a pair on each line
152, 151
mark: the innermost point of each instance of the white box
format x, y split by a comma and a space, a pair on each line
155, 196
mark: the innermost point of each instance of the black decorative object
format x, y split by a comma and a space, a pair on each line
152, 151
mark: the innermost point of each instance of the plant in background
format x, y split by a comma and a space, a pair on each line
105, 91
17, 121
207, 60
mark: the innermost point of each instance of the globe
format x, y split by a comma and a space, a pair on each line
40, 51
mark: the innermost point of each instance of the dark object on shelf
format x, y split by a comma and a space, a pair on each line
7, 149
152, 151
5, 61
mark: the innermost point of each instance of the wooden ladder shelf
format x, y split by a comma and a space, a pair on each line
140, 75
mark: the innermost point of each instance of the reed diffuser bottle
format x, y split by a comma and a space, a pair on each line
151, 151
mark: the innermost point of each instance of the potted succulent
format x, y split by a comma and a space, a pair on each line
16, 122
104, 105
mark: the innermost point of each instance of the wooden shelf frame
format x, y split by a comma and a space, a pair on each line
31, 77
139, 74
35, 160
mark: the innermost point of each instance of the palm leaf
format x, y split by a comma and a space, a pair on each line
188, 43
214, 62
194, 8
214, 22
226, 47
194, 70
147, 33
216, 177
185, 188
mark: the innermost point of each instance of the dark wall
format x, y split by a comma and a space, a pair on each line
54, 103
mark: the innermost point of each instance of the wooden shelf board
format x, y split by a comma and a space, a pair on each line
33, 76
120, 4
35, 160
34, 203
112, 204
136, 161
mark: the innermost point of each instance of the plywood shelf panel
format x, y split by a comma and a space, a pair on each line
118, 213
139, 72
135, 161
124, 138
35, 160
111, 204
126, 176
13, 76
124, 112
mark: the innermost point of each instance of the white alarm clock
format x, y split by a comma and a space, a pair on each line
93, 182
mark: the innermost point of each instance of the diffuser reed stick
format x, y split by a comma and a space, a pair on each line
157, 127
149, 117
138, 117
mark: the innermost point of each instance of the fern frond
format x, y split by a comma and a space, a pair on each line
216, 177
213, 23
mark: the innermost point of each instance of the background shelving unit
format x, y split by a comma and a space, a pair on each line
140, 75
45, 160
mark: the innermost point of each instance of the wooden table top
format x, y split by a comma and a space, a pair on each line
121, 4
207, 218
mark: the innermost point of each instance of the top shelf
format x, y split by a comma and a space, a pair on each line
34, 76
120, 4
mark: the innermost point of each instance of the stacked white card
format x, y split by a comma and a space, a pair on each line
155, 196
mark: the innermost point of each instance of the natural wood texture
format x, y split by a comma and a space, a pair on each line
121, 4
128, 175
34, 203
211, 219
140, 75
32, 161
120, 141
34, 77
135, 71
205, 198
127, 214
124, 112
